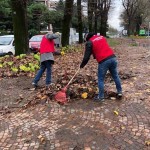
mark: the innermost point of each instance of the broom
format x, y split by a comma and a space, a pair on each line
60, 96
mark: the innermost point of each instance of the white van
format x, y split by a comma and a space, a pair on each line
7, 45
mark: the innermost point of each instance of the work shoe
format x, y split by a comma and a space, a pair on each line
34, 84
97, 99
119, 95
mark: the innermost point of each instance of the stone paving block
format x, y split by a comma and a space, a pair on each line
128, 130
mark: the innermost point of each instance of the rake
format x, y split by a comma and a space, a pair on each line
61, 96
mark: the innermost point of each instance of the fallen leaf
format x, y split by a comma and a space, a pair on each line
84, 95
138, 93
116, 112
32, 89
41, 138
97, 90
147, 90
112, 98
122, 127
147, 143
43, 97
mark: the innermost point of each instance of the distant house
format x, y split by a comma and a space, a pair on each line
50, 4
42, 1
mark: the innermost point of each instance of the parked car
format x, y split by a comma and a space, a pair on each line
34, 43
7, 45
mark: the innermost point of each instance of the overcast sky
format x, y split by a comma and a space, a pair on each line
114, 15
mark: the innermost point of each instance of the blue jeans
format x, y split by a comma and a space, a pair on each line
45, 65
111, 65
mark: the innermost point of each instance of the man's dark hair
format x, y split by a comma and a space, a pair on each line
89, 35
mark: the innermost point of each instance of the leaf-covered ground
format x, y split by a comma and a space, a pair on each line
16, 84
38, 122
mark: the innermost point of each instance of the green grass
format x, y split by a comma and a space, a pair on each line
113, 42
137, 37
134, 44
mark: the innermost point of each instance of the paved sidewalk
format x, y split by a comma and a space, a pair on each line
89, 126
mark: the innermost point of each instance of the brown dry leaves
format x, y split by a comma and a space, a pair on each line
134, 70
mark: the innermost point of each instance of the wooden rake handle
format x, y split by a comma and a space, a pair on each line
72, 77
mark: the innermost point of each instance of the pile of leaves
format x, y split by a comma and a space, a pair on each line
83, 86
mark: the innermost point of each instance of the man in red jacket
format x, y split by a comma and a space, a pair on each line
98, 46
46, 58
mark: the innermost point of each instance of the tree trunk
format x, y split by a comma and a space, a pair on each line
138, 24
95, 16
103, 25
128, 27
90, 15
95, 24
104, 6
80, 25
67, 22
19, 11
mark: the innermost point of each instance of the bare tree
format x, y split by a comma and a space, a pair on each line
130, 7
67, 22
93, 15
141, 14
98, 15
80, 25
19, 9
104, 7
90, 14
135, 14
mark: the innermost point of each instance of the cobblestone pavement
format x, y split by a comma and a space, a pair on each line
83, 124
94, 126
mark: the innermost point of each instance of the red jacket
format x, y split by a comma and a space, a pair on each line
101, 49
46, 45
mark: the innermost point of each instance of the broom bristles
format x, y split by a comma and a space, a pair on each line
61, 97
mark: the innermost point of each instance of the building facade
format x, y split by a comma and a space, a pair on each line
51, 6
49, 3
